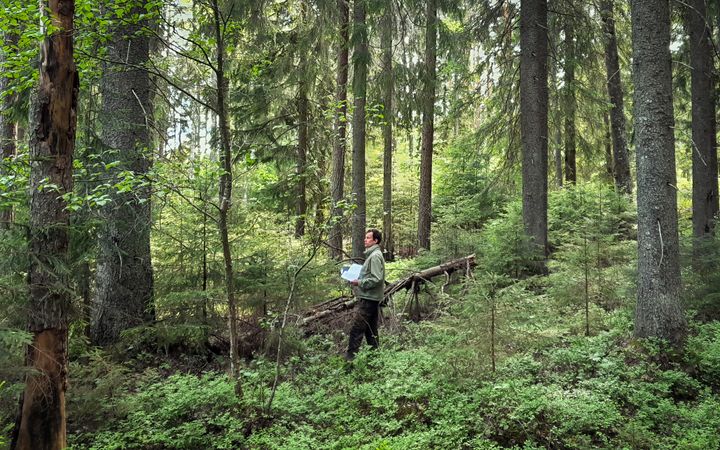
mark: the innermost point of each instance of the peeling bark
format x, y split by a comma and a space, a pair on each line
41, 422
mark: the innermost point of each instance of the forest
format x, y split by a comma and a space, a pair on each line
182, 183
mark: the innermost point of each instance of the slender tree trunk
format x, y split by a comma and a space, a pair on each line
658, 312
226, 182
534, 120
337, 178
124, 276
41, 422
621, 160
303, 110
570, 102
322, 151
428, 127
608, 148
302, 150
361, 59
704, 145
558, 158
555, 122
389, 81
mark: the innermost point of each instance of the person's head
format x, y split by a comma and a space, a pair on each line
372, 236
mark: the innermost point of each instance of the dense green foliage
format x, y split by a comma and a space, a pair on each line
429, 387
497, 359
432, 384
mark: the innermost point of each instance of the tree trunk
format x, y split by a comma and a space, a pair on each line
534, 121
704, 150
302, 150
570, 102
658, 312
386, 44
361, 59
621, 160
428, 126
608, 148
226, 182
554, 120
124, 277
41, 423
337, 178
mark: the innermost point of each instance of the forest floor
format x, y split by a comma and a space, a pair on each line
431, 384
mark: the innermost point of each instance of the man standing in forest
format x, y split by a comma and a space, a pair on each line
369, 292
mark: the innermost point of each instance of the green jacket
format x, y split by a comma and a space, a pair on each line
371, 282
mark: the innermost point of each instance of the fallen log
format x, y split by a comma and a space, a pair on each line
333, 310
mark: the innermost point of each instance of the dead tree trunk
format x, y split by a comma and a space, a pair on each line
54, 117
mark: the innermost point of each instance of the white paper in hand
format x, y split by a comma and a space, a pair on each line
350, 273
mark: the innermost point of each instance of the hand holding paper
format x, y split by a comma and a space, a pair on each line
351, 273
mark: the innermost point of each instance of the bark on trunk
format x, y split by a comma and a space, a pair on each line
361, 59
658, 312
428, 126
534, 121
608, 148
704, 145
226, 182
621, 160
124, 277
337, 179
570, 102
302, 150
41, 422
386, 44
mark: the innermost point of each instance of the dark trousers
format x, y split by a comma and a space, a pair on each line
365, 323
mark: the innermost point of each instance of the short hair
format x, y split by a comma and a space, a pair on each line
377, 235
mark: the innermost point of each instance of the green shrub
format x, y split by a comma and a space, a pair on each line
178, 412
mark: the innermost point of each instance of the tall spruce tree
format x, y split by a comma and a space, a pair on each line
303, 143
534, 120
388, 88
570, 100
42, 421
658, 312
337, 178
124, 276
704, 143
621, 159
428, 125
361, 60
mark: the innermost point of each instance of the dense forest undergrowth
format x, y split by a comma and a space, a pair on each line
500, 359
181, 180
